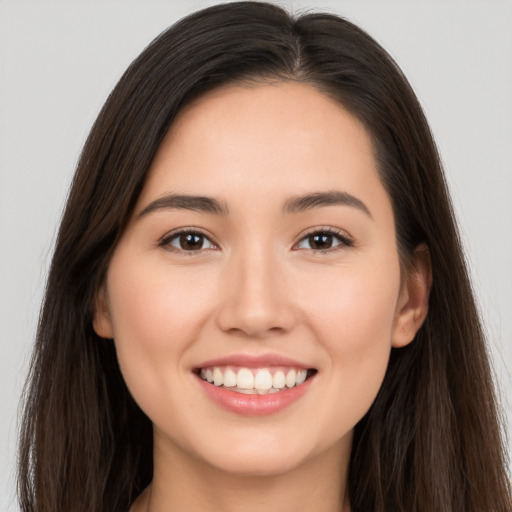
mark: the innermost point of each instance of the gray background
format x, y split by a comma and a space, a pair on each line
59, 60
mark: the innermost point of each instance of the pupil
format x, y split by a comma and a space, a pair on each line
322, 241
191, 241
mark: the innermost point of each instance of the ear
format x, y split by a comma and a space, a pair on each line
101, 322
412, 307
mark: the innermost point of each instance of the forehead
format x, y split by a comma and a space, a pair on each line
252, 139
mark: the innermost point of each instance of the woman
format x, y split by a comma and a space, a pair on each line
258, 296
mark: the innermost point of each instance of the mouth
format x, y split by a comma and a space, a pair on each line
255, 385
255, 381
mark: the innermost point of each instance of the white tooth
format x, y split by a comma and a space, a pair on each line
246, 391
263, 380
203, 374
273, 390
279, 380
217, 377
245, 379
209, 375
262, 391
229, 379
301, 376
290, 378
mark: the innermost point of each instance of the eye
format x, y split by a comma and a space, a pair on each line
190, 241
323, 240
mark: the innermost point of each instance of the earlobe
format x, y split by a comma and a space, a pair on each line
412, 307
102, 323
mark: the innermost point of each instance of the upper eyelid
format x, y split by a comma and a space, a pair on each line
345, 239
179, 231
325, 229
188, 229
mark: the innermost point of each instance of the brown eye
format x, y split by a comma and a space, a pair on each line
323, 241
320, 241
188, 241
191, 242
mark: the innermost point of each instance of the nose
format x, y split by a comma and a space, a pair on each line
256, 298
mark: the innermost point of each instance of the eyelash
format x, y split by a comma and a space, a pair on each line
176, 235
343, 240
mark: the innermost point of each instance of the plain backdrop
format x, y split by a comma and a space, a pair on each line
60, 59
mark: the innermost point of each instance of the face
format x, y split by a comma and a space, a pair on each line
261, 252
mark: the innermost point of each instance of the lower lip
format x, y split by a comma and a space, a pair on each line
254, 405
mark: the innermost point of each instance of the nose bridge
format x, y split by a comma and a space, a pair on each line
256, 299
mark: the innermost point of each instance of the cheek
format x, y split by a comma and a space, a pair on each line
156, 315
353, 315
355, 307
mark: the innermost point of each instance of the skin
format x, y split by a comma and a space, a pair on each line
259, 287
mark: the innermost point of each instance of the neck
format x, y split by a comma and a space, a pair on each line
318, 484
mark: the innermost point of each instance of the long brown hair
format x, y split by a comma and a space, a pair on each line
431, 440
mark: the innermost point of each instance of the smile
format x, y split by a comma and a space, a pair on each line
254, 385
252, 381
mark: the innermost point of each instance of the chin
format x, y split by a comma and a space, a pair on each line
252, 464
267, 454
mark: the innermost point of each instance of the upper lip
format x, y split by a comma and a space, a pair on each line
253, 361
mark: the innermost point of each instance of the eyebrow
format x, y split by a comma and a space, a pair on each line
294, 205
185, 202
320, 199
